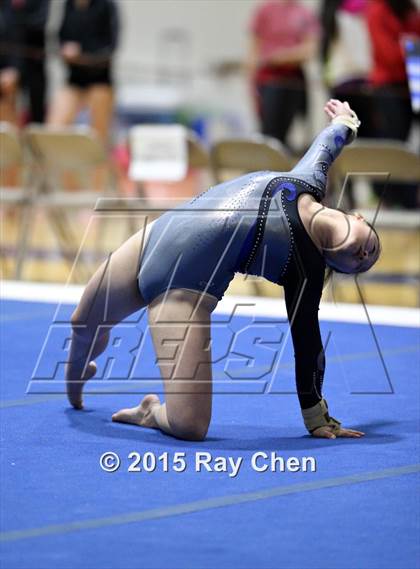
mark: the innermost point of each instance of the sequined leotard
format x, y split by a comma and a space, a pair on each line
251, 225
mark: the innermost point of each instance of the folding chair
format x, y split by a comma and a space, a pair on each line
60, 152
377, 161
19, 197
233, 157
198, 156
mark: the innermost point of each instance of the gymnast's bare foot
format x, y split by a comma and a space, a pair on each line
141, 415
75, 387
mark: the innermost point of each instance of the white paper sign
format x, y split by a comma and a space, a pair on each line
158, 152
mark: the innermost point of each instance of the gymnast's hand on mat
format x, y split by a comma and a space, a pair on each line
332, 433
335, 108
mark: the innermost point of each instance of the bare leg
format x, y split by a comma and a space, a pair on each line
100, 101
180, 327
111, 295
65, 106
8, 99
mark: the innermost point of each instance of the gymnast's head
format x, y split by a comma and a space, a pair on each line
353, 245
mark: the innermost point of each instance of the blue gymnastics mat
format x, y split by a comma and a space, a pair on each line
359, 509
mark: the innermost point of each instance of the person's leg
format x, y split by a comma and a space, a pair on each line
35, 77
9, 84
180, 326
100, 101
65, 106
63, 111
393, 113
359, 97
37, 84
111, 295
279, 105
393, 116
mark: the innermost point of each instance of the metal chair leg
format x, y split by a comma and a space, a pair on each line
67, 240
26, 225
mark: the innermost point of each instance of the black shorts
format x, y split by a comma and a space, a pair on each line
85, 77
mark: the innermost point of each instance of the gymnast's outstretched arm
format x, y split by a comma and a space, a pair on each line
303, 290
314, 166
303, 284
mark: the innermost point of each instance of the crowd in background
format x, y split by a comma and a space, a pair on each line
361, 49
22, 57
359, 43
86, 41
361, 46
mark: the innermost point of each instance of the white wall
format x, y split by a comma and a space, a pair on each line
217, 28
216, 31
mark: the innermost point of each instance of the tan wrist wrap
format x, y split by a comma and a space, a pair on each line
318, 416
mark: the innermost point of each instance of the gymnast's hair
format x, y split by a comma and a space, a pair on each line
329, 271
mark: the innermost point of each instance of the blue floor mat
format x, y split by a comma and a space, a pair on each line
51, 476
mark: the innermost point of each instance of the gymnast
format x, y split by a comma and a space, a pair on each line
270, 224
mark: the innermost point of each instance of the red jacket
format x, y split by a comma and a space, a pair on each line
386, 32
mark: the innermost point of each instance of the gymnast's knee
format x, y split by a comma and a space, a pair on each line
189, 427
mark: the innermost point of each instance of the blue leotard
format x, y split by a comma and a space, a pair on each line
202, 243
252, 225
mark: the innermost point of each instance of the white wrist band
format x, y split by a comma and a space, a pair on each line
351, 121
